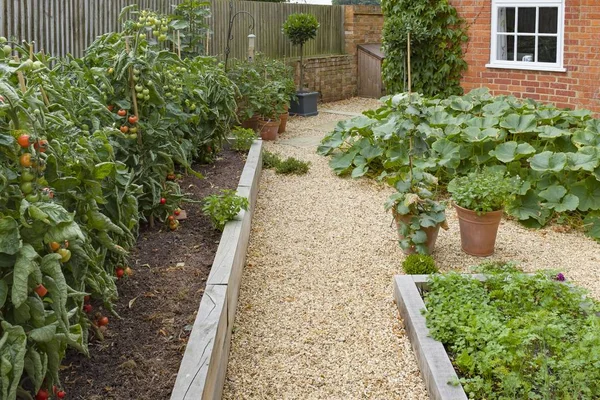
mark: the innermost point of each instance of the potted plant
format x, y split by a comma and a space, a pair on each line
281, 74
271, 107
300, 28
479, 199
249, 82
417, 215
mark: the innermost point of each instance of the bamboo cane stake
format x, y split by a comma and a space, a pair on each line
409, 72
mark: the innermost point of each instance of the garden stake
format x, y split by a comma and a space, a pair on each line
408, 54
20, 77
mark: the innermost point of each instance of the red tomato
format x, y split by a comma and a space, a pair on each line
103, 321
163, 200
122, 113
41, 290
133, 119
124, 129
24, 141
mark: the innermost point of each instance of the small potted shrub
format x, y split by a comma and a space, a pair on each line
419, 264
249, 82
479, 199
417, 215
300, 28
280, 74
271, 107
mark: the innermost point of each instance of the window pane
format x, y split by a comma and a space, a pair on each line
526, 20
526, 48
506, 48
506, 19
548, 20
547, 49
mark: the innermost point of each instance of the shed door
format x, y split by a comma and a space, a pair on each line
369, 75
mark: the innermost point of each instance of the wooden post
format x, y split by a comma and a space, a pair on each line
408, 65
20, 77
178, 45
133, 95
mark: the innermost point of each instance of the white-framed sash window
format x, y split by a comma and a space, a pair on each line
528, 34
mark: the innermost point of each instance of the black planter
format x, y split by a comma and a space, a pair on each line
305, 105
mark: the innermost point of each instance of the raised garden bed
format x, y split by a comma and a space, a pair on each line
509, 334
141, 353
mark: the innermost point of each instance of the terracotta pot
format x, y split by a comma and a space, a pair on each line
251, 123
283, 118
478, 232
432, 233
268, 129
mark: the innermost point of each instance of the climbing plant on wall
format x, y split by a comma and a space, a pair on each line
437, 33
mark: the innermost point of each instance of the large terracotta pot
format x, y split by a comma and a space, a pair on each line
251, 123
478, 231
431, 232
268, 129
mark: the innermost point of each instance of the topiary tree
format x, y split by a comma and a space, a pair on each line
300, 28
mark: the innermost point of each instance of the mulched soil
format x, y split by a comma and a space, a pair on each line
141, 353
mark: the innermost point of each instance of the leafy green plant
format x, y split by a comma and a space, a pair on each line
293, 166
300, 28
437, 35
223, 207
419, 264
552, 151
483, 191
270, 160
242, 138
188, 20
517, 336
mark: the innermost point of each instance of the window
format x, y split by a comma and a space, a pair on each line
527, 34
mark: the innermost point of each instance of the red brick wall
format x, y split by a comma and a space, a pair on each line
579, 87
334, 77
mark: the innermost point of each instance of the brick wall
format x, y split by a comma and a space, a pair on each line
335, 77
579, 87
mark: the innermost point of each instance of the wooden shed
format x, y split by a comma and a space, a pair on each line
370, 60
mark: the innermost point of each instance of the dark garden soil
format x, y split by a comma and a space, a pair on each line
140, 355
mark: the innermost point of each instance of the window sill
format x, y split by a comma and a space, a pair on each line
527, 67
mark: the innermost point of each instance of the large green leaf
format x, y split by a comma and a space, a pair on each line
526, 207
448, 153
44, 334
517, 123
54, 212
510, 151
13, 347
473, 134
588, 192
341, 162
557, 198
25, 265
551, 132
585, 159
548, 161
10, 239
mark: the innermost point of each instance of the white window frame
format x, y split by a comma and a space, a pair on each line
558, 66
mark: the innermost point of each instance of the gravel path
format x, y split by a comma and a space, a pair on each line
316, 317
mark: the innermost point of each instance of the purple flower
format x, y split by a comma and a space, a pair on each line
560, 277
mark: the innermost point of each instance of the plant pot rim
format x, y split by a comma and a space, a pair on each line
466, 210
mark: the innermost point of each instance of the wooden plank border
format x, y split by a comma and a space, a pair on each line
434, 363
204, 365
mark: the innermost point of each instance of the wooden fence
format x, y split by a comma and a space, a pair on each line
60, 27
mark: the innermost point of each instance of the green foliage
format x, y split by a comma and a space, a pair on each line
555, 153
224, 207
517, 336
291, 166
188, 22
72, 197
419, 264
266, 87
300, 28
355, 2
242, 138
483, 191
286, 166
437, 33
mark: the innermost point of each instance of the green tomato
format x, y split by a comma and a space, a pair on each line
27, 65
180, 89
136, 71
42, 181
85, 127
164, 29
155, 32
37, 65
27, 176
149, 83
139, 88
3, 39
7, 50
140, 96
147, 97
142, 36
132, 136
136, 78
32, 198
146, 92
162, 38
168, 95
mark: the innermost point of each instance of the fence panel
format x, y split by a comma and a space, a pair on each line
60, 27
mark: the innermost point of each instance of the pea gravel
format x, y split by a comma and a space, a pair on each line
316, 317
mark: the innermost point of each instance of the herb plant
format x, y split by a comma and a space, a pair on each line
483, 191
223, 207
292, 166
242, 138
517, 336
270, 160
419, 264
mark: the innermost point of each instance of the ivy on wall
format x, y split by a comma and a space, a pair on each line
437, 33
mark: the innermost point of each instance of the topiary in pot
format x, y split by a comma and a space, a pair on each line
479, 199
300, 28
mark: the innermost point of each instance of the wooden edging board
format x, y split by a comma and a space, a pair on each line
434, 363
202, 371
